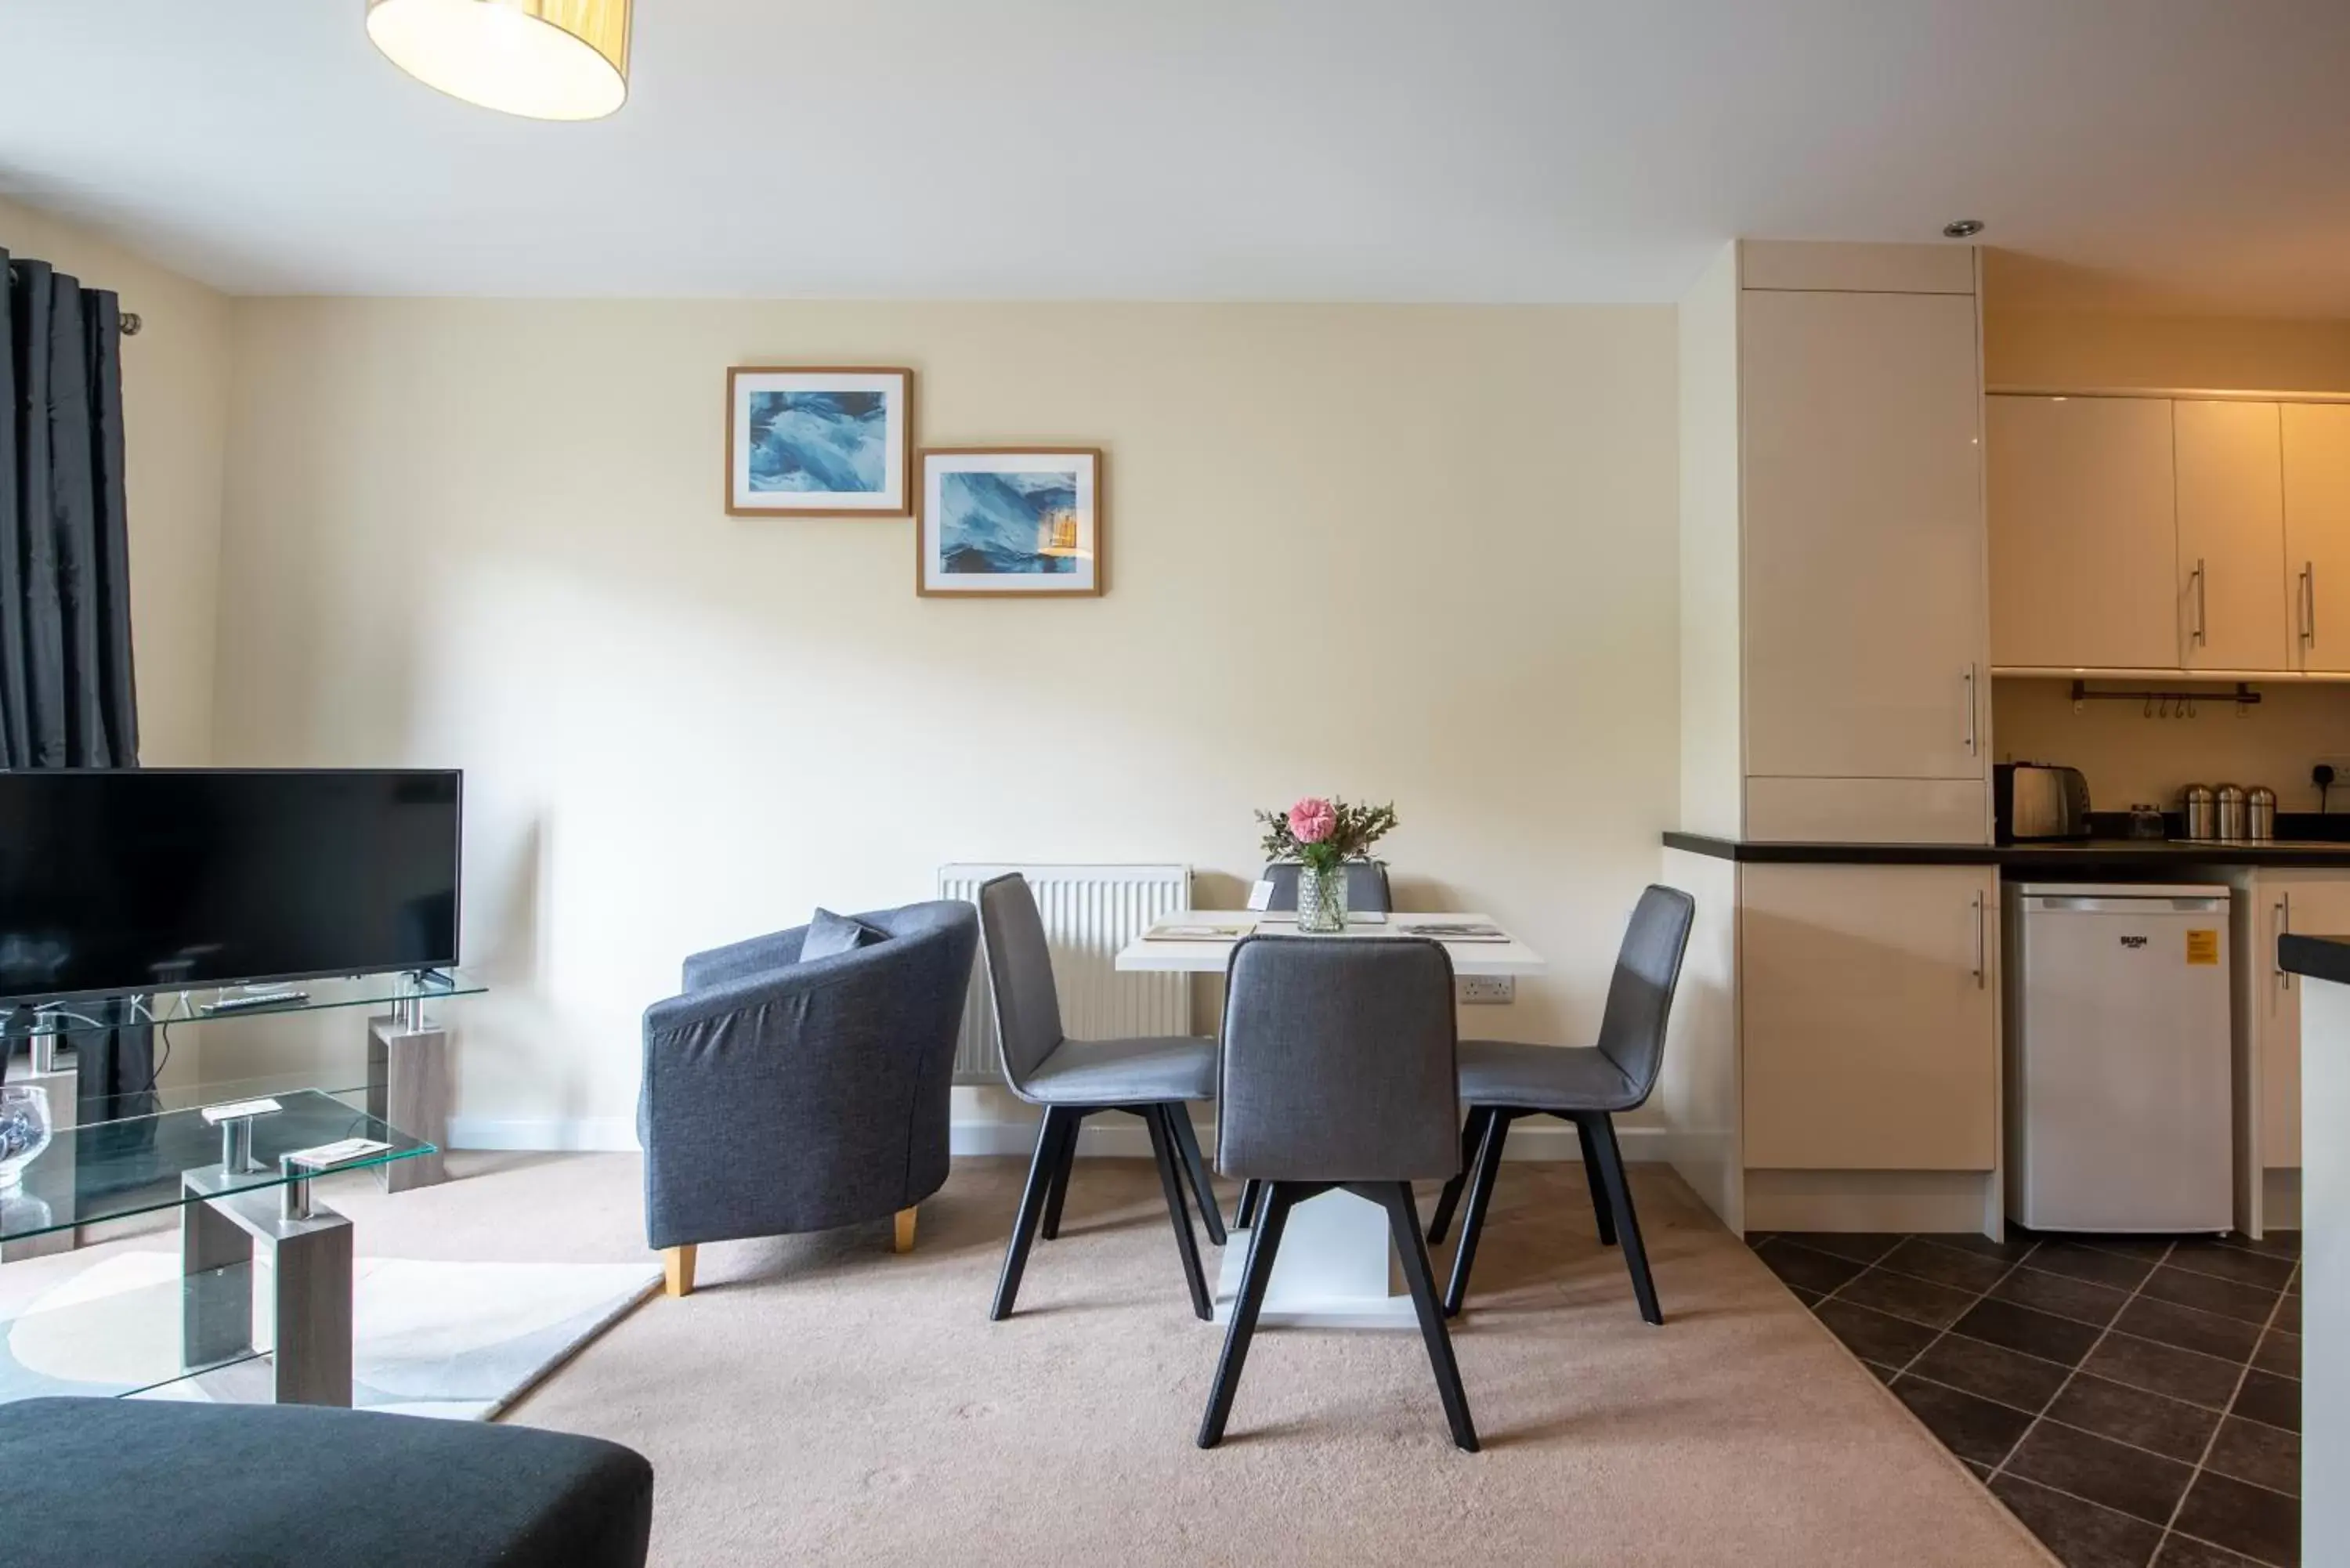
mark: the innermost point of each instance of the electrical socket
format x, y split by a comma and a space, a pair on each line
1485, 990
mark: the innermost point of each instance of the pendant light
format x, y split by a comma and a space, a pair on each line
543, 59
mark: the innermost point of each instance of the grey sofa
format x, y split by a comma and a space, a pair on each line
782, 1096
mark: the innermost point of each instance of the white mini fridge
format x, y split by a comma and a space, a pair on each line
2120, 1058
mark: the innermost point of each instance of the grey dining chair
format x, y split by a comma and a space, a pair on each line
1503, 1081
1339, 1069
1155, 1079
1367, 886
1368, 893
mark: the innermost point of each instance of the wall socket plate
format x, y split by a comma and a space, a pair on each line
1485, 990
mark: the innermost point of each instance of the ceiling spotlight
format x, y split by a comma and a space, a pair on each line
1963, 229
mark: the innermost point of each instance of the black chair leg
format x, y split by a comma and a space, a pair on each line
1481, 1197
1162, 1149
1056, 1125
1403, 1219
1065, 1162
1212, 1213
1251, 1196
1599, 1187
1264, 1242
1600, 1129
1472, 1136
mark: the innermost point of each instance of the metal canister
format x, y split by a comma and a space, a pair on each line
2200, 810
2234, 817
2260, 812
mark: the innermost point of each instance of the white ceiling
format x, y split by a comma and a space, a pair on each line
2175, 154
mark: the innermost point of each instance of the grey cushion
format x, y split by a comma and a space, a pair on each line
1543, 1077
801, 1096
829, 933
1124, 1072
105, 1483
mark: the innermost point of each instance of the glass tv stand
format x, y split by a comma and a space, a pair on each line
396, 1068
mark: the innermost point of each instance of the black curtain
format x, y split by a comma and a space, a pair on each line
67, 696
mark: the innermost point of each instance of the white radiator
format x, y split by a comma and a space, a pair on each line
1090, 912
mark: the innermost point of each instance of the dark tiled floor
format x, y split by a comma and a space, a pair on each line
2135, 1401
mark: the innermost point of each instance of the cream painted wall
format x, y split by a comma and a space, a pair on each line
2085, 348
175, 413
1420, 553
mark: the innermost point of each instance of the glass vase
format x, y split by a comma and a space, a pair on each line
24, 1130
1320, 900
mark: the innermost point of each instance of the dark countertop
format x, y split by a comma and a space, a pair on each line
2319, 958
2081, 855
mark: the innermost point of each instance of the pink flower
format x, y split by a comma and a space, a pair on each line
1311, 820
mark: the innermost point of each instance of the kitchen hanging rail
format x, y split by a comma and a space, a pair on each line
2170, 704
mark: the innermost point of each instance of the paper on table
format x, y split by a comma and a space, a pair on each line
1459, 931
326, 1154
1204, 931
219, 1113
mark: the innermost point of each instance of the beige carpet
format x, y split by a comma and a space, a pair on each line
822, 1401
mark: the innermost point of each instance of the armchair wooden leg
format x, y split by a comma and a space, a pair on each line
905, 1237
677, 1266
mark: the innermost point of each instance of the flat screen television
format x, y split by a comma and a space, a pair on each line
154, 879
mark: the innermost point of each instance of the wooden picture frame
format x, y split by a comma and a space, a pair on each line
802, 440
990, 522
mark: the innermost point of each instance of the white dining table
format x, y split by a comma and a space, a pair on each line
1337, 1267
1208, 955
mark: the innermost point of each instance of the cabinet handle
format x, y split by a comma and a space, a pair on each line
2309, 601
2283, 925
1981, 957
2197, 580
1968, 679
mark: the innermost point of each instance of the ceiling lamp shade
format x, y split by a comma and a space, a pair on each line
544, 59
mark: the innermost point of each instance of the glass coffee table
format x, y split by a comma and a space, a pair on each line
239, 1174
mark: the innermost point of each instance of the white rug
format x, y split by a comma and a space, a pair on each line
460, 1341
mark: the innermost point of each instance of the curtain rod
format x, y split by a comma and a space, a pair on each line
132, 321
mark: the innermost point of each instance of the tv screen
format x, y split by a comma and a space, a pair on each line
171, 879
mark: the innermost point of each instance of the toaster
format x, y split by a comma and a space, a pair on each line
2038, 801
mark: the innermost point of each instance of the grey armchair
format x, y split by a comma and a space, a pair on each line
782, 1096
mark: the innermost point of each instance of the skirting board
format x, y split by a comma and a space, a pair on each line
1117, 1138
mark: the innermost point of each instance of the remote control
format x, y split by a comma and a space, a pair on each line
255, 999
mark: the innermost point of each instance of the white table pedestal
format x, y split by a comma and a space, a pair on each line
1335, 1269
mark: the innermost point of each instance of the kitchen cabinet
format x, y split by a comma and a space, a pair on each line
1864, 590
2307, 901
2317, 533
2084, 534
2231, 578
1869, 1017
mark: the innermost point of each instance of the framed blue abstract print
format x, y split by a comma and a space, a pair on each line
820, 442
1010, 521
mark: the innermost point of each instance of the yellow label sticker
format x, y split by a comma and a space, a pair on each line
2203, 946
